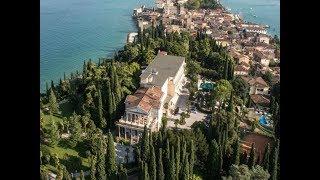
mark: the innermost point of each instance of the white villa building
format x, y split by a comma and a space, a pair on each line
160, 83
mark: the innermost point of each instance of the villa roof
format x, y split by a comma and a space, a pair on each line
258, 82
259, 99
165, 65
145, 98
240, 68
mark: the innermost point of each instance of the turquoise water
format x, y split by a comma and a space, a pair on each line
74, 30
263, 120
267, 12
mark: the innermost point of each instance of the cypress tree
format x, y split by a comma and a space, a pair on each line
102, 120
252, 157
111, 166
230, 104
122, 173
225, 70
53, 105
214, 161
64, 76
192, 156
145, 145
236, 152
184, 152
145, 172
93, 168
185, 169
178, 158
273, 169
167, 160
152, 170
159, 141
160, 172
172, 166
110, 103
117, 87
266, 157
84, 70
101, 173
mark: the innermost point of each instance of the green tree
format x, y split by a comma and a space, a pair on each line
122, 173
167, 160
102, 120
273, 168
266, 157
240, 87
222, 90
268, 77
252, 156
110, 101
160, 172
186, 169
214, 161
236, 152
145, 145
152, 170
101, 173
75, 130
53, 135
257, 172
93, 167
172, 165
178, 158
192, 156
111, 166
145, 172
230, 104
53, 105
240, 172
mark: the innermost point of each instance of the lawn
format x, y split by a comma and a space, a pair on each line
68, 156
47, 119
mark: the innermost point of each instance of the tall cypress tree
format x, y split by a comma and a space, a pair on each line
145, 145
172, 165
53, 104
214, 161
184, 153
186, 169
111, 166
110, 103
225, 70
159, 140
145, 172
117, 87
244, 158
101, 173
122, 173
152, 170
230, 104
236, 152
167, 160
47, 90
252, 157
192, 156
93, 168
102, 120
273, 169
160, 172
178, 158
266, 157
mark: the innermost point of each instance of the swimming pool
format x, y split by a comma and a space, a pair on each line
207, 86
263, 121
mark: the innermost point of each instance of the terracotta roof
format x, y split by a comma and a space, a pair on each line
259, 99
258, 82
145, 98
240, 68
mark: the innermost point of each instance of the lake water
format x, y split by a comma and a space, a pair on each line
72, 31
265, 12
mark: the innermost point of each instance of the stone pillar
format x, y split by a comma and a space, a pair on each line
119, 134
125, 133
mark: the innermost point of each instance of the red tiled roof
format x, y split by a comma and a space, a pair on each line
145, 98
259, 99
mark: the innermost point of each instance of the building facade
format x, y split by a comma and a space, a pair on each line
160, 83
